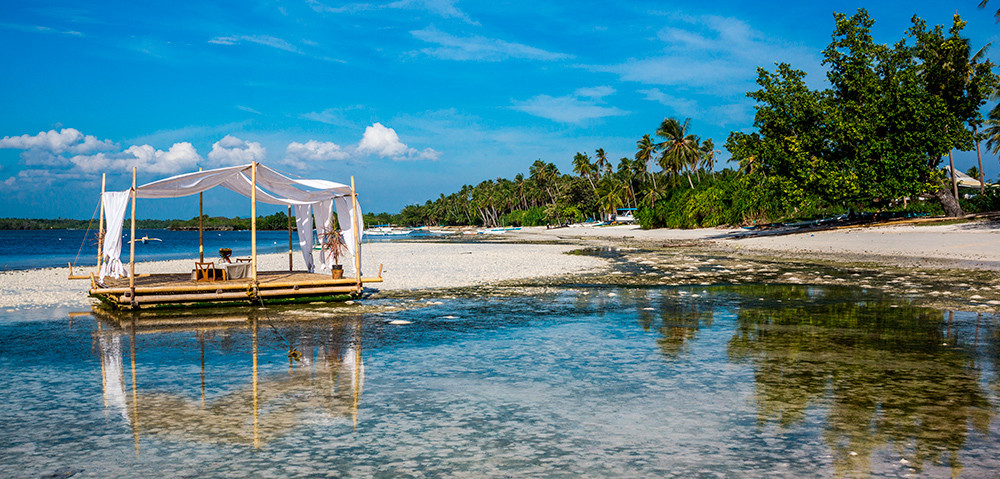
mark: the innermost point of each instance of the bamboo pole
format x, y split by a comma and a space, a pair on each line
236, 296
100, 227
131, 248
201, 228
253, 221
357, 234
289, 238
302, 285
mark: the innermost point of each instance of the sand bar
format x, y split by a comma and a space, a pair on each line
405, 266
966, 245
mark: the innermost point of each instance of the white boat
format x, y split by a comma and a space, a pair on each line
144, 240
387, 230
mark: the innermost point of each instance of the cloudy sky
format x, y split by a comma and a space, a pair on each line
413, 97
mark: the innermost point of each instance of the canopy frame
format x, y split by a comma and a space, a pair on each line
305, 194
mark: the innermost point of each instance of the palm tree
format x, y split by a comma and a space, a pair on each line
645, 151
708, 153
679, 147
601, 162
969, 75
626, 174
543, 174
613, 190
583, 167
982, 4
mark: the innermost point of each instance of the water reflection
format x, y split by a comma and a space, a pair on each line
324, 376
884, 373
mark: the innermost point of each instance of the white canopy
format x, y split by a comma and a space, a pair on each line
308, 196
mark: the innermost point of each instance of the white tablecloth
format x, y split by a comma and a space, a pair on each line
237, 270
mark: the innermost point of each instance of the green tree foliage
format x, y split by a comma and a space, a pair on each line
878, 133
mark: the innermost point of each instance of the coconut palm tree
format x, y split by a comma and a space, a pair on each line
601, 162
708, 153
679, 147
982, 4
583, 167
645, 151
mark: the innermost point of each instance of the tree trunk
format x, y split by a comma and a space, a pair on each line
689, 179
982, 181
954, 178
949, 202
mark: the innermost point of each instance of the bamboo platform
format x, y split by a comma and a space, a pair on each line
179, 290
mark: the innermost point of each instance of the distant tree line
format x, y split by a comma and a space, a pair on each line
277, 221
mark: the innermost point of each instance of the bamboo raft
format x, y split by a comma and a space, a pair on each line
162, 290
179, 290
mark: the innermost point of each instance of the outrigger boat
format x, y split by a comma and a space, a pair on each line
239, 283
387, 230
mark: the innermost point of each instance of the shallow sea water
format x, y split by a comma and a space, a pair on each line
691, 381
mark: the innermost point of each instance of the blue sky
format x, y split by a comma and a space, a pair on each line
413, 97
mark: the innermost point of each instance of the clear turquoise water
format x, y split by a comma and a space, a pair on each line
739, 381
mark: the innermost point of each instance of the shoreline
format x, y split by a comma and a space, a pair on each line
970, 250
973, 245
407, 266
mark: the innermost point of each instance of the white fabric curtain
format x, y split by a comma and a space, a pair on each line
291, 188
115, 203
304, 223
348, 222
188, 183
242, 184
323, 211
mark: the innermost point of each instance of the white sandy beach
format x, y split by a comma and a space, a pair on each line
966, 245
406, 266
426, 265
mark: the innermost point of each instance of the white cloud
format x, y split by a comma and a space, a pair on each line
681, 106
247, 109
739, 113
712, 53
231, 151
382, 141
180, 157
57, 142
451, 47
265, 40
334, 116
443, 8
577, 108
298, 154
596, 92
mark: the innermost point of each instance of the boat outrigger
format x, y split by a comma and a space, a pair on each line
239, 283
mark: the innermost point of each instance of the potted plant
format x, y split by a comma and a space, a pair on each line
334, 247
225, 253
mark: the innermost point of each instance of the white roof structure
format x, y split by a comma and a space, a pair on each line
962, 178
308, 196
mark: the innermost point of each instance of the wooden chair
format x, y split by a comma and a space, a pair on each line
243, 260
204, 271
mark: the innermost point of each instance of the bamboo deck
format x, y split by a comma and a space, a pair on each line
174, 290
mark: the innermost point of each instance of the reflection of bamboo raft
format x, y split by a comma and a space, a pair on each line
282, 404
178, 289
328, 382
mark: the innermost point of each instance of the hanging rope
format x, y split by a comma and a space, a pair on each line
84, 241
